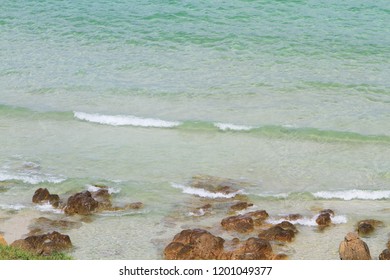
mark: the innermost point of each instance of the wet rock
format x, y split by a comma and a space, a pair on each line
240, 223
252, 249
81, 203
286, 225
353, 248
323, 219
196, 244
103, 197
42, 195
2, 241
278, 233
45, 244
327, 211
240, 206
258, 216
366, 227
385, 255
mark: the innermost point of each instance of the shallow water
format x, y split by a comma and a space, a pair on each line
290, 96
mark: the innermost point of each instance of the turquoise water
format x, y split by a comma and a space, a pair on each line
291, 96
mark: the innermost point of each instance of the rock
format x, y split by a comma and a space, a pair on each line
353, 248
217, 185
43, 224
323, 219
196, 244
366, 227
327, 211
81, 203
103, 197
277, 233
293, 217
385, 255
388, 244
240, 223
286, 225
43, 196
2, 241
240, 206
258, 216
252, 249
45, 244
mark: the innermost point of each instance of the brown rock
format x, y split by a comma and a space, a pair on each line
366, 227
240, 223
385, 255
388, 244
103, 197
327, 211
45, 244
352, 248
194, 244
42, 196
252, 249
324, 220
286, 225
2, 241
240, 206
81, 203
277, 233
258, 216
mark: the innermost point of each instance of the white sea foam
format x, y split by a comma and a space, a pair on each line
119, 120
204, 193
229, 126
93, 188
353, 194
12, 206
311, 222
47, 207
31, 178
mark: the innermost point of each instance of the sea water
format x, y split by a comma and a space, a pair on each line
291, 97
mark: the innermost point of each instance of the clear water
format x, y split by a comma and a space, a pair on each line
291, 96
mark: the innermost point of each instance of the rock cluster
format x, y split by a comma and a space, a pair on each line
199, 244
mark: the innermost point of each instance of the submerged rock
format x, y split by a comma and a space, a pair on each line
81, 203
240, 206
43, 224
366, 227
293, 217
44, 244
42, 195
353, 248
216, 184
